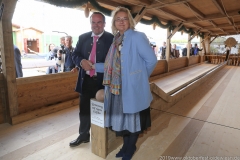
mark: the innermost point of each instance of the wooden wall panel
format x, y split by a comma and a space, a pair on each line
43, 91
177, 63
194, 60
160, 68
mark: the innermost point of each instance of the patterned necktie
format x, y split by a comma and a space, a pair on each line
93, 54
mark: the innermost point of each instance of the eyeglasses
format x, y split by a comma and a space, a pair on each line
121, 19
98, 23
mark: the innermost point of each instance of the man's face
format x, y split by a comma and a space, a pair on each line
97, 24
68, 42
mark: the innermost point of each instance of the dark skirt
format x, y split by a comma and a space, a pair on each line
145, 122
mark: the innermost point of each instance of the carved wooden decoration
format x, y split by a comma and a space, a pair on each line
230, 42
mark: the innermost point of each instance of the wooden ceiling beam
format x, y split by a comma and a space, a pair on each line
219, 6
175, 30
165, 3
196, 33
209, 17
169, 13
140, 14
195, 10
229, 21
222, 25
146, 2
212, 23
213, 39
206, 37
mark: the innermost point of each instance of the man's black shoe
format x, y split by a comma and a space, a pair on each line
78, 141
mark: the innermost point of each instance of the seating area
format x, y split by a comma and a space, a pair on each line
233, 60
171, 88
184, 129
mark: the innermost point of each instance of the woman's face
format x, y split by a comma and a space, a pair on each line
122, 22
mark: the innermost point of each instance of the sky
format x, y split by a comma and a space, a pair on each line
48, 18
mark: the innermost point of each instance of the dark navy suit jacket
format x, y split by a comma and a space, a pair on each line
83, 50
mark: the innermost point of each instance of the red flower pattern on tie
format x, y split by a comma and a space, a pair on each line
93, 54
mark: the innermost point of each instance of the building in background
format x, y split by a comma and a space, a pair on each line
27, 39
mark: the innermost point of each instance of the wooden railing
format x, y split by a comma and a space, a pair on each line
42, 95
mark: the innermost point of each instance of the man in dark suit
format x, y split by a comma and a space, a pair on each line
17, 62
184, 51
89, 55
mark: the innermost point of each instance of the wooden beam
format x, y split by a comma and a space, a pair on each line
6, 45
213, 39
169, 13
188, 47
168, 50
194, 35
146, 2
165, 3
175, 30
229, 21
209, 35
214, 25
195, 10
212, 17
219, 6
140, 14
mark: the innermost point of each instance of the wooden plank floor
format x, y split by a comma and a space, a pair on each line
205, 123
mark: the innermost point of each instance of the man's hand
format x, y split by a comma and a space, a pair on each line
74, 70
86, 65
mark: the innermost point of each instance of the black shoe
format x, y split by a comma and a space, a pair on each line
79, 140
129, 154
120, 154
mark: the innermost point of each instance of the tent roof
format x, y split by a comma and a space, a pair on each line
211, 17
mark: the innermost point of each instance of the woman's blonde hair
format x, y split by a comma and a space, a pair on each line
130, 18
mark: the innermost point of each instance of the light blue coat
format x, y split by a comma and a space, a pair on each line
138, 60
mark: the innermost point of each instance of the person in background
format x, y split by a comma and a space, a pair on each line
17, 62
89, 56
191, 50
51, 54
196, 49
184, 51
175, 51
162, 51
65, 62
62, 41
128, 65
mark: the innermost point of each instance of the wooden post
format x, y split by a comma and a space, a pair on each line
6, 45
188, 48
168, 49
103, 140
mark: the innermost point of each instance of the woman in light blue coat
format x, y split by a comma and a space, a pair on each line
128, 65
